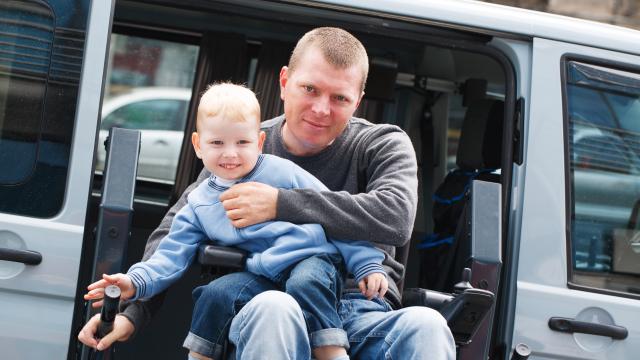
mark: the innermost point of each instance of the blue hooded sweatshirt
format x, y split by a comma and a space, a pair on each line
273, 246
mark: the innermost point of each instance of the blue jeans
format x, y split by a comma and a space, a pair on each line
313, 284
270, 327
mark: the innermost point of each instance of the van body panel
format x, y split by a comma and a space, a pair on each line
37, 301
519, 54
88, 108
536, 303
494, 18
542, 290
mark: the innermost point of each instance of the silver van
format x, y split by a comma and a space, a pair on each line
554, 101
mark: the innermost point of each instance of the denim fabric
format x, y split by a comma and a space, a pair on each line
313, 283
266, 328
378, 332
216, 304
375, 331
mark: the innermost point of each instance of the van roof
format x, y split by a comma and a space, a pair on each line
494, 18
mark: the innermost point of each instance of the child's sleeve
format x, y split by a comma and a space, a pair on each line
171, 259
361, 257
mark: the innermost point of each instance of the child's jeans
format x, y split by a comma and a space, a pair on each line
313, 283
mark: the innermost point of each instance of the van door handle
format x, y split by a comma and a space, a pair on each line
28, 257
576, 326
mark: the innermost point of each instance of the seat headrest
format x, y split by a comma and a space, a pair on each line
480, 144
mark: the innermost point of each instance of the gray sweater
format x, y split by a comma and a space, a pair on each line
372, 174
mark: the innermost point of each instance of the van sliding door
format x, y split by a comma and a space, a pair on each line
51, 67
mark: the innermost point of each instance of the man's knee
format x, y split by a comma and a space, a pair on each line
269, 311
276, 302
422, 321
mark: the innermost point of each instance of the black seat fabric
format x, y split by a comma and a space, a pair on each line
446, 251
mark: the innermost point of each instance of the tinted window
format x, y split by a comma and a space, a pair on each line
40, 64
604, 136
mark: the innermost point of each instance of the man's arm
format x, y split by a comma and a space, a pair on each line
139, 313
384, 213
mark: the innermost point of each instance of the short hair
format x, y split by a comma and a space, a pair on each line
233, 102
340, 49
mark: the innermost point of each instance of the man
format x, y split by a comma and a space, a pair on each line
371, 171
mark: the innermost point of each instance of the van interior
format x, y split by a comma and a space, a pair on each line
445, 87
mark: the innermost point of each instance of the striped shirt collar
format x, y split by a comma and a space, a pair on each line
214, 185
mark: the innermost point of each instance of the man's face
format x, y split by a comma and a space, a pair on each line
228, 149
319, 99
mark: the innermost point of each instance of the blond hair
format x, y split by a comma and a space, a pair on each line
340, 49
230, 101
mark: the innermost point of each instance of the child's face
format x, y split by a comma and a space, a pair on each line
228, 149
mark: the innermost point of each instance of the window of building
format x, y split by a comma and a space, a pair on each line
603, 107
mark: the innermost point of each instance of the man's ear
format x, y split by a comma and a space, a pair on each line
261, 138
195, 141
284, 73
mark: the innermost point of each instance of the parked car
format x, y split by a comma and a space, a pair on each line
160, 112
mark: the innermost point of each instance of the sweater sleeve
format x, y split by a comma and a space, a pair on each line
139, 313
171, 259
361, 258
384, 213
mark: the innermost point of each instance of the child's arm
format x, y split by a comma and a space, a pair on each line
171, 259
365, 263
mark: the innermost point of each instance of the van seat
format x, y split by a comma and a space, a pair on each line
478, 157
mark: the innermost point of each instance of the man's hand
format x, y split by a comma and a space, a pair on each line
96, 290
122, 330
250, 203
373, 284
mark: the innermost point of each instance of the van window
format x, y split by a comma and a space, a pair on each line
149, 88
603, 108
40, 64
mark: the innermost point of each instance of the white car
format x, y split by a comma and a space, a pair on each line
160, 113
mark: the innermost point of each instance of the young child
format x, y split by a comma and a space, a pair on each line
298, 259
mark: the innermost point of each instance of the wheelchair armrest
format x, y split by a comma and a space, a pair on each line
221, 256
464, 312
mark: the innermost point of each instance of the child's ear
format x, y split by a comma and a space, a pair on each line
195, 141
261, 137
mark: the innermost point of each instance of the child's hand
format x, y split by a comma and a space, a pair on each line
96, 290
373, 284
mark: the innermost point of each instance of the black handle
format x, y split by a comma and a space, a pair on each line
28, 257
575, 326
109, 310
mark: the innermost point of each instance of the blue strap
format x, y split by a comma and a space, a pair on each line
472, 175
427, 243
